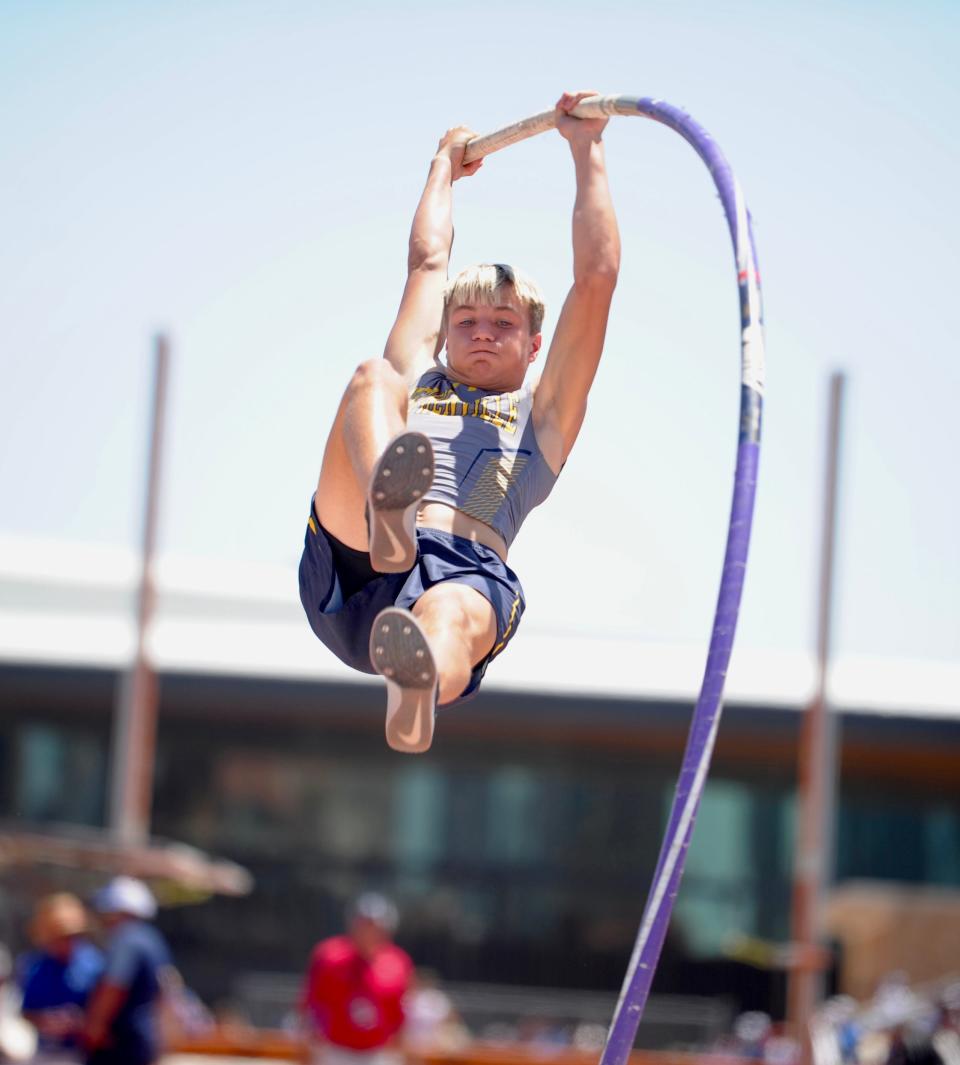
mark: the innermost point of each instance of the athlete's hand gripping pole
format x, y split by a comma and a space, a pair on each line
591, 107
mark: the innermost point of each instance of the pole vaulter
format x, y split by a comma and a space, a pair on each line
404, 571
706, 716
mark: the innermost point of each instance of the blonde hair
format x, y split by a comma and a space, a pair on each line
482, 284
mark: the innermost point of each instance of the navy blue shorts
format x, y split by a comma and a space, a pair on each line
344, 626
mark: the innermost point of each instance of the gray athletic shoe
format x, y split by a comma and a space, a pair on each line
403, 475
401, 654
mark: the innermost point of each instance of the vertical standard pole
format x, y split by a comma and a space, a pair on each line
135, 717
816, 773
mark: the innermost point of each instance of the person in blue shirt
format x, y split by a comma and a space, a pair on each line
121, 1021
58, 978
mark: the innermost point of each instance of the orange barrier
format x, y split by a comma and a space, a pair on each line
527, 1054
258, 1043
250, 1043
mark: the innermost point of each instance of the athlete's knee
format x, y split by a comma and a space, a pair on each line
376, 375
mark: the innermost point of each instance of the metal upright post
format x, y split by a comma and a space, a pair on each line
135, 716
816, 774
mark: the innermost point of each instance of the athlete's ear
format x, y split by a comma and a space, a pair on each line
535, 341
441, 340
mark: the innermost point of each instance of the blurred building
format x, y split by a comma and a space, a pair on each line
521, 847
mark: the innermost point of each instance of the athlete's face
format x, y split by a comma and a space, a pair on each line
490, 346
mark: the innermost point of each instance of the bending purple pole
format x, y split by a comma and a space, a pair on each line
706, 715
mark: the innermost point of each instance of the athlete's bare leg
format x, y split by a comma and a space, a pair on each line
373, 410
427, 656
456, 622
461, 627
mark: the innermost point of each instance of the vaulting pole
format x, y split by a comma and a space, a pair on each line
706, 716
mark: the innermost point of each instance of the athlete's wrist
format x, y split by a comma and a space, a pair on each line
442, 163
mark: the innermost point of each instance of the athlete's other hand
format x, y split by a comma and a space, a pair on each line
578, 129
452, 144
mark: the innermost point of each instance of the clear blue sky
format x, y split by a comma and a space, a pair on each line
244, 174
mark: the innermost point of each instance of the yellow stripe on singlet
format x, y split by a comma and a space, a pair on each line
313, 525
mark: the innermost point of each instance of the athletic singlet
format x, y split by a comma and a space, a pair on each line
488, 461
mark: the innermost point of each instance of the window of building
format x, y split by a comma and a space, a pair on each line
61, 776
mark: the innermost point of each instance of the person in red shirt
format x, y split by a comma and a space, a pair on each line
352, 999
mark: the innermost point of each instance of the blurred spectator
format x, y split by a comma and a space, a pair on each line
894, 1003
750, 1032
899, 1026
57, 980
841, 1011
352, 1000
432, 1023
946, 1039
912, 1044
756, 1038
900, 1016
781, 1050
17, 1039
588, 1035
122, 1017
835, 1031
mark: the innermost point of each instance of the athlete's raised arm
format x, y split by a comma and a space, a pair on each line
415, 338
561, 398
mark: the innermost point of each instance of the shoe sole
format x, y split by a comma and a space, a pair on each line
400, 653
403, 475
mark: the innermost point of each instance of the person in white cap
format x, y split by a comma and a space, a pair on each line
352, 999
121, 1022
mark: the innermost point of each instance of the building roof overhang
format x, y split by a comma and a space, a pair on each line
74, 605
